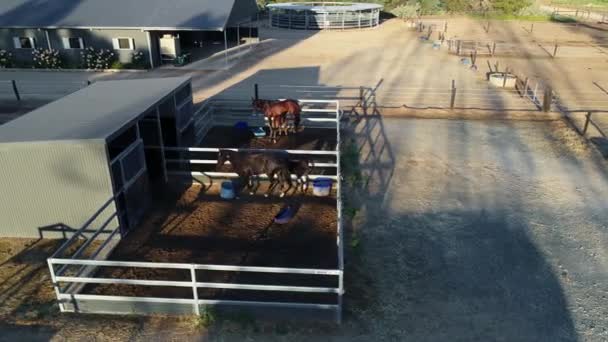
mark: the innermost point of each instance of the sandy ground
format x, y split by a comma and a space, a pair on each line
201, 228
467, 230
403, 70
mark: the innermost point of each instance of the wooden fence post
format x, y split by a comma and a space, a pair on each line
362, 99
256, 93
474, 59
458, 47
547, 99
493, 48
525, 92
453, 98
531, 27
16, 90
588, 116
555, 50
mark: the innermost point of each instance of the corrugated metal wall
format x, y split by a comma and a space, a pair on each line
47, 183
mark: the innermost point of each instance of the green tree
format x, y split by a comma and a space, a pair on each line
510, 6
429, 6
406, 11
456, 6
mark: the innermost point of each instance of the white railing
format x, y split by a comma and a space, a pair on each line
228, 112
208, 116
70, 274
192, 283
213, 174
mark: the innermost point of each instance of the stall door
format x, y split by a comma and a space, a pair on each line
131, 182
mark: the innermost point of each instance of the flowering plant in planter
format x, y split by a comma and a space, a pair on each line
46, 59
6, 59
97, 59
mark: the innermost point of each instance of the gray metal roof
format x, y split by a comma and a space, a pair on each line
139, 14
93, 113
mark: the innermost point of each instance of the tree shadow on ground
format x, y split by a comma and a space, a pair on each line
601, 144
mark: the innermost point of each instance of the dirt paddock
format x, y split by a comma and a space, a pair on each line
199, 227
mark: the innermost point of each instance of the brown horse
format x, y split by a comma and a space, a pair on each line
276, 112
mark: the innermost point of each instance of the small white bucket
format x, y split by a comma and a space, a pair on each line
321, 187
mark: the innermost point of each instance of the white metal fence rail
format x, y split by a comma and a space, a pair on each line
71, 273
195, 301
316, 113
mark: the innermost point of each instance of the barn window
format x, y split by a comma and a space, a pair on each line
123, 43
24, 42
73, 43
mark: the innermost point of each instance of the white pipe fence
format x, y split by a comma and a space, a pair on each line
70, 274
193, 283
218, 113
325, 15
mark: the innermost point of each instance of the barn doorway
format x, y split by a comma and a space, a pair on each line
130, 177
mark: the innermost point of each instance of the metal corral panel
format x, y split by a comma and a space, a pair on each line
121, 307
48, 183
148, 308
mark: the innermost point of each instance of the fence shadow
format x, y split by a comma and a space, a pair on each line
25, 291
602, 145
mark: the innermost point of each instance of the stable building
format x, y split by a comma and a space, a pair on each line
160, 30
60, 163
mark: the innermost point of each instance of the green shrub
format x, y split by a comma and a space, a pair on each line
456, 6
6, 59
533, 10
207, 317
510, 6
428, 6
117, 65
406, 11
138, 60
562, 19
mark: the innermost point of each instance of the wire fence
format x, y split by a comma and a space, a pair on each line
452, 96
546, 49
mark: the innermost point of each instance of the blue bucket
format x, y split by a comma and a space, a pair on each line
227, 191
285, 215
241, 126
321, 187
